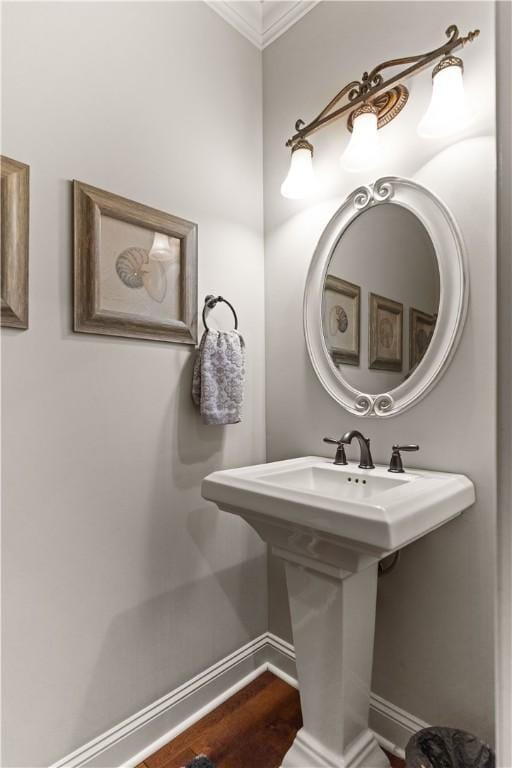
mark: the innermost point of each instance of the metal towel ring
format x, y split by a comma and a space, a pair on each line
210, 302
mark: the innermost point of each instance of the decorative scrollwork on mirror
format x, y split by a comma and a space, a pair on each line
382, 329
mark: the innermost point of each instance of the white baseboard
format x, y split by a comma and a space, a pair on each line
137, 737
393, 726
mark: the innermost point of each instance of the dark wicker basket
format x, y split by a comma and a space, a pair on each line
200, 762
448, 748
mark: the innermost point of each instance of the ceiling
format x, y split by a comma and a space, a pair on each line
261, 21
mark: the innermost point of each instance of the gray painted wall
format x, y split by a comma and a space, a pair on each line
119, 581
434, 641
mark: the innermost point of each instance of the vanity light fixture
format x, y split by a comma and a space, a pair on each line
373, 102
300, 181
447, 112
364, 148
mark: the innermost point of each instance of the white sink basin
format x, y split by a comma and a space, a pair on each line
328, 480
331, 524
375, 510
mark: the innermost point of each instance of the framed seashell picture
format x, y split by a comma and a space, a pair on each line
341, 320
135, 269
385, 331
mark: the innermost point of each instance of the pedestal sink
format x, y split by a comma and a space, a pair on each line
331, 525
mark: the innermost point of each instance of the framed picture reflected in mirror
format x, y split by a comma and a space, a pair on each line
421, 330
341, 320
386, 332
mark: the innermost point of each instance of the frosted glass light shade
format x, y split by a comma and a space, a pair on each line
447, 112
364, 149
300, 181
164, 248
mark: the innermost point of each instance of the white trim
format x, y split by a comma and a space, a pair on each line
142, 734
188, 693
451, 259
237, 20
281, 645
194, 718
276, 21
503, 601
397, 725
407, 721
262, 25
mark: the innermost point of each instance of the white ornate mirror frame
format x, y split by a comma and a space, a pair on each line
449, 250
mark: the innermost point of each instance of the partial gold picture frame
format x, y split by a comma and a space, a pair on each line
419, 320
383, 310
14, 242
90, 204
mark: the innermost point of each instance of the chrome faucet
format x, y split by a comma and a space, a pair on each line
365, 459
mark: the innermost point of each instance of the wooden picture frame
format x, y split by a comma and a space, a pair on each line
119, 288
14, 237
341, 311
385, 345
421, 330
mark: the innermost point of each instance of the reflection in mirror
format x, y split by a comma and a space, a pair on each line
380, 298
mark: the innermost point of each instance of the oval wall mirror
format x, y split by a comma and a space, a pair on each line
385, 297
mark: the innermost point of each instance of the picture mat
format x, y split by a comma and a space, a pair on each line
113, 296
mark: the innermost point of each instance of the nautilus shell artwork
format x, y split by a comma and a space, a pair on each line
136, 271
129, 266
338, 320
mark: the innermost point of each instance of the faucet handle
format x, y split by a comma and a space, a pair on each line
395, 464
340, 457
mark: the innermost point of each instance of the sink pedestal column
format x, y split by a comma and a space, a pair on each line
333, 620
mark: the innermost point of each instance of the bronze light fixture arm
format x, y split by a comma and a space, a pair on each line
455, 41
347, 89
373, 83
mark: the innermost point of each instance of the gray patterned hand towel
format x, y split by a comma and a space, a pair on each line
218, 379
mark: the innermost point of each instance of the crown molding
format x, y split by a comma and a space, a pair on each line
241, 20
262, 22
278, 17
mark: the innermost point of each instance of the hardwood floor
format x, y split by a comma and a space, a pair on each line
253, 729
